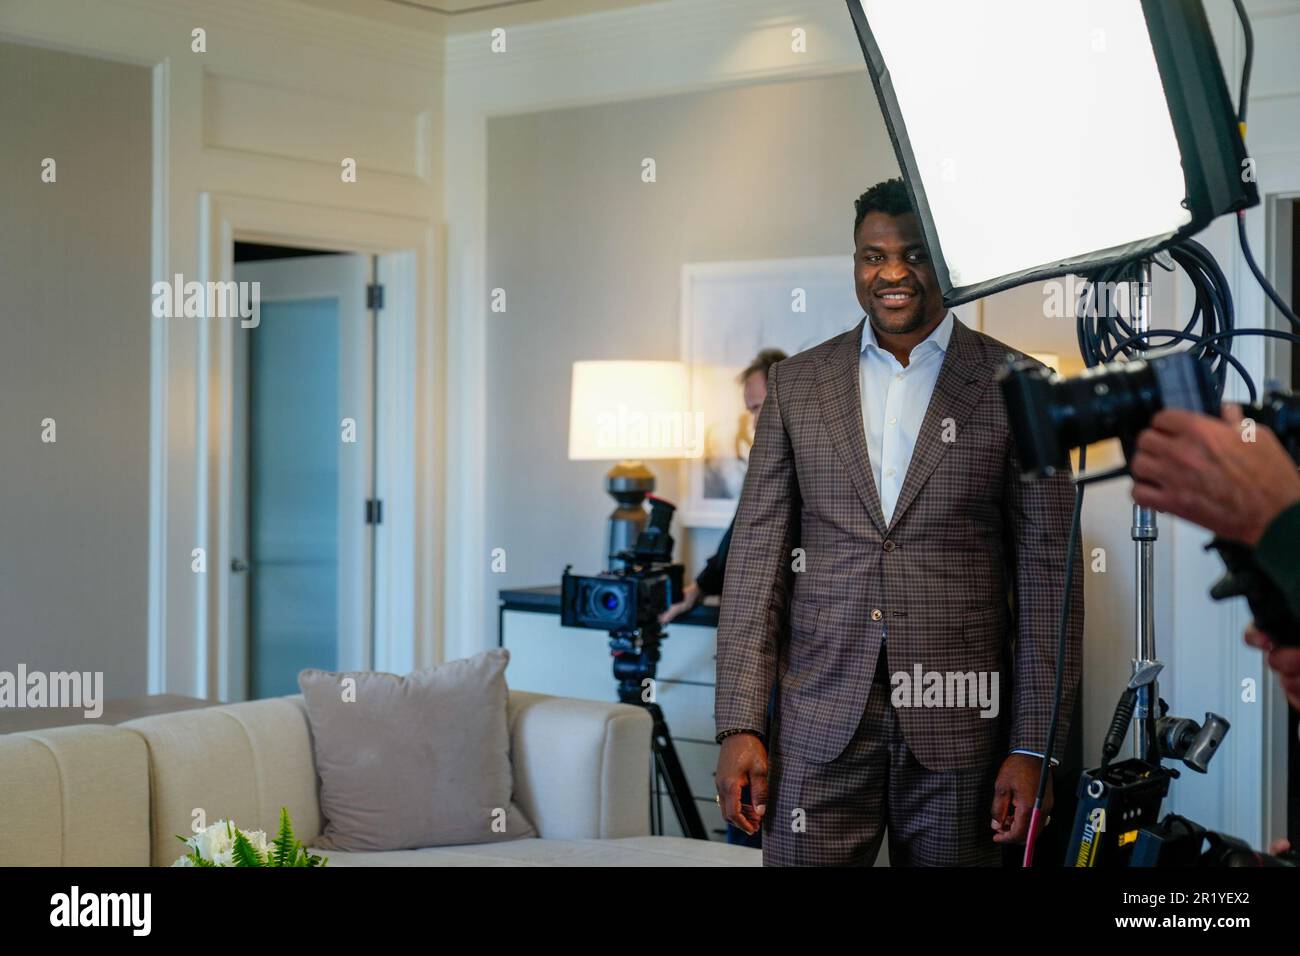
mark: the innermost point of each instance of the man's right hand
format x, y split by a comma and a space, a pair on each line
743, 762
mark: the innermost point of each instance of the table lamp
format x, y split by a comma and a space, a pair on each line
628, 412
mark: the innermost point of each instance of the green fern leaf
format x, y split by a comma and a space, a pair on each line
284, 843
244, 853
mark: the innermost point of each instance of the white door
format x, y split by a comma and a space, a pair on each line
303, 463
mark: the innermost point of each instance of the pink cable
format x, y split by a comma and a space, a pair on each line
1033, 835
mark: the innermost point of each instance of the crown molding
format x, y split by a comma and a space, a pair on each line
330, 30
627, 53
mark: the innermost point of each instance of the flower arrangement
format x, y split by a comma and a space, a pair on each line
224, 844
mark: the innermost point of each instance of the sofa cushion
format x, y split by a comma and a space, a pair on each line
582, 767
74, 796
629, 851
240, 762
415, 761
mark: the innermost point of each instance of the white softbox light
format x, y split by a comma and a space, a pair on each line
1040, 137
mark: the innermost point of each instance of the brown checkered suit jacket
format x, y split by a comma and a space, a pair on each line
967, 576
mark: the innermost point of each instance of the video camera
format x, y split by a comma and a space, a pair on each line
1049, 415
633, 596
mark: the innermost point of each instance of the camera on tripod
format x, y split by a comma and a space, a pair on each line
627, 603
635, 594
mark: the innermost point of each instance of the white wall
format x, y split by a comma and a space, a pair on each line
74, 349
282, 94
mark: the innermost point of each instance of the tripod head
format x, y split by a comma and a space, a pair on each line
636, 653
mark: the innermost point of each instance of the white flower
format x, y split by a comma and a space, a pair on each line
258, 839
215, 843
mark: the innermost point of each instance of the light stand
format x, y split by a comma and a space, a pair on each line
1144, 533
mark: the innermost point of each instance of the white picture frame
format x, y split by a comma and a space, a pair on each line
729, 311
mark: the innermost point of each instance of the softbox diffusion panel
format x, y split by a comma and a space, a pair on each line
1043, 138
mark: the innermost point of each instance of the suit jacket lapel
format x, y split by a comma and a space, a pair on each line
962, 379
839, 390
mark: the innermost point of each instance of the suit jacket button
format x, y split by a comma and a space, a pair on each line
889, 544
876, 615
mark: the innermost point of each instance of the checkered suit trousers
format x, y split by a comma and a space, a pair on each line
836, 813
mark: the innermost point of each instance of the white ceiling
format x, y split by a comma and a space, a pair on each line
463, 16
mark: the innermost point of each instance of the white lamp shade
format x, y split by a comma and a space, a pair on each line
632, 411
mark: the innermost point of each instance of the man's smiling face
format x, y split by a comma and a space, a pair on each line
896, 283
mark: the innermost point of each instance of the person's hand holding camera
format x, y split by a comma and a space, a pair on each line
1227, 475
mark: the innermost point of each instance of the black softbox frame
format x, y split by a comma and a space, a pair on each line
1204, 122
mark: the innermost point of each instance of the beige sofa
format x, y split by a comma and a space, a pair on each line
117, 796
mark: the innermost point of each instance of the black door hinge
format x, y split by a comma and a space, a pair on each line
374, 511
374, 296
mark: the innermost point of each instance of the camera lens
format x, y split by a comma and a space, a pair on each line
606, 602
1104, 402
1049, 414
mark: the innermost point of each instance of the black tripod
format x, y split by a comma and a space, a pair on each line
636, 656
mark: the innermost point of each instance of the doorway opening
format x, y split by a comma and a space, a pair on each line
303, 507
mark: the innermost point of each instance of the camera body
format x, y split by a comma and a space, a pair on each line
618, 600
632, 597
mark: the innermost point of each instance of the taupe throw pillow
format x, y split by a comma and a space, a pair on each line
414, 761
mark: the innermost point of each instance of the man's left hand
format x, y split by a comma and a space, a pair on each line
1013, 797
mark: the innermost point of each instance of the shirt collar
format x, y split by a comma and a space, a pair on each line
937, 339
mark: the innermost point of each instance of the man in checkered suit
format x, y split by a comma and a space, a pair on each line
883, 534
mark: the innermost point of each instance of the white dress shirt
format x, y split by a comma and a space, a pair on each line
894, 400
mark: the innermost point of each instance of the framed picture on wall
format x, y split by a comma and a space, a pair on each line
729, 312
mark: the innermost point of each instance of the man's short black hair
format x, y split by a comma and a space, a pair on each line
888, 196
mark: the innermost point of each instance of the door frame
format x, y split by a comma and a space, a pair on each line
407, 402
1272, 234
